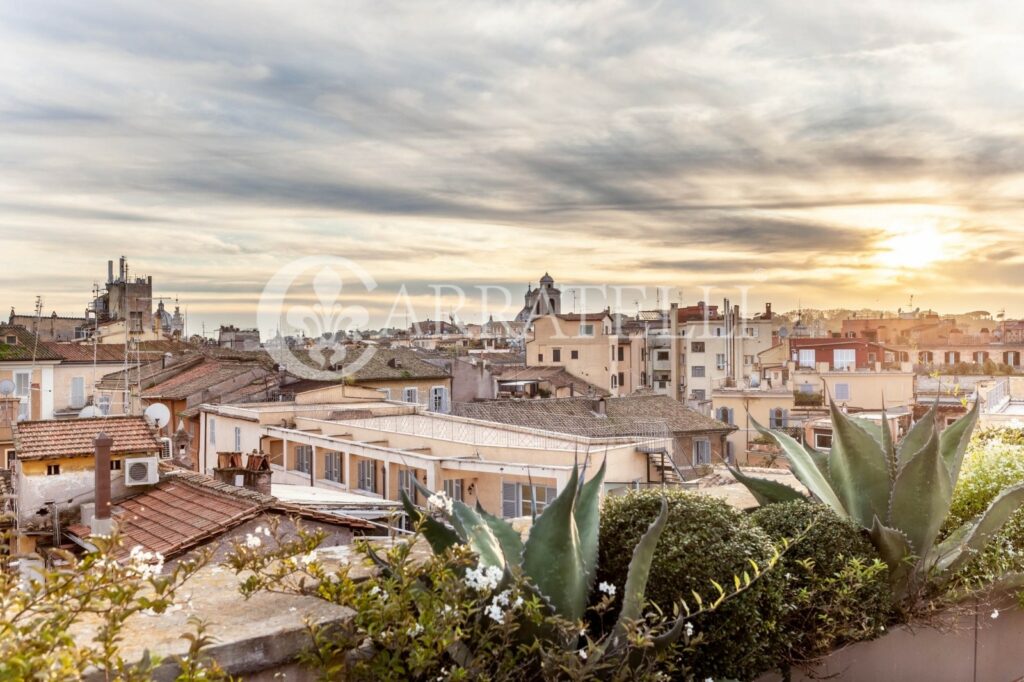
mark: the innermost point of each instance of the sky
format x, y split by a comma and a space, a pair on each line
818, 154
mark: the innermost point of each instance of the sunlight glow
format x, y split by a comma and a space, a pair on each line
913, 247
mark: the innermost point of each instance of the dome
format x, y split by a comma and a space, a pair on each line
547, 279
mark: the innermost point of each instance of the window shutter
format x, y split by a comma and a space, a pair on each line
508, 500
732, 416
785, 418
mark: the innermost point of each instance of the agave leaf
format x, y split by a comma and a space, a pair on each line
439, 536
508, 537
955, 438
765, 491
552, 556
918, 435
820, 460
894, 548
804, 468
953, 552
588, 522
479, 536
858, 469
639, 572
921, 496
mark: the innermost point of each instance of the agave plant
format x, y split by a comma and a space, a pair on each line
899, 492
560, 555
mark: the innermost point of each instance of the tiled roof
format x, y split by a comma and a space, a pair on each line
623, 416
111, 352
74, 437
556, 376
186, 509
584, 317
24, 345
407, 365
202, 376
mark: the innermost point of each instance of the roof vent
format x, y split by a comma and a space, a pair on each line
141, 471
394, 363
165, 448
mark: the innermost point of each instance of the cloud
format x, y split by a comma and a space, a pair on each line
611, 140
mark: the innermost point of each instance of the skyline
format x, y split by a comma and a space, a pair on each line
833, 156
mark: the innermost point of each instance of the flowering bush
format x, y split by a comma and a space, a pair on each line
37, 615
994, 461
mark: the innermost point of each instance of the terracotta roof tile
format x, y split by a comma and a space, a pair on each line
74, 437
110, 352
202, 376
25, 344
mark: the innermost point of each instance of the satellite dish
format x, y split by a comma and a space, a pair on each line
157, 415
89, 412
6, 387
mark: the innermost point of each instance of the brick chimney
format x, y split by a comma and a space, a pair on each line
255, 475
101, 524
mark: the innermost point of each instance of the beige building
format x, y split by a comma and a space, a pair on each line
589, 346
348, 439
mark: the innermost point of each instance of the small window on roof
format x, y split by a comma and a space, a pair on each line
12, 340
52, 469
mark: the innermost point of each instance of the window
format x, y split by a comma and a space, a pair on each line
778, 418
696, 346
806, 389
103, 402
367, 479
698, 394
724, 414
697, 371
842, 391
410, 394
718, 331
643, 378
844, 358
823, 441
332, 466
662, 355
77, 400
540, 357
872, 358
622, 378
439, 399
453, 488
807, 358
23, 390
574, 355
9, 459
701, 451
52, 469
12, 340
304, 458
615, 381
556, 355
238, 439
212, 425
748, 360
405, 479
386, 392
115, 465
586, 330
622, 353
752, 332
517, 499
720, 361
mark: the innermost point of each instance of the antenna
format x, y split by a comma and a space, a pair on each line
157, 415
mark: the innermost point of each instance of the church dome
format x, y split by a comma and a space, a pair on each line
547, 279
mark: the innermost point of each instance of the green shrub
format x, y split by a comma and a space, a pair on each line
837, 587
704, 540
994, 461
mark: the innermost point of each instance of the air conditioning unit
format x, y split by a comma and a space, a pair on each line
141, 471
165, 448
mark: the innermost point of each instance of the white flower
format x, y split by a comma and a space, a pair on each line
607, 588
995, 614
145, 564
441, 502
502, 598
252, 541
688, 628
307, 559
375, 590
484, 578
415, 630
517, 603
583, 654
495, 613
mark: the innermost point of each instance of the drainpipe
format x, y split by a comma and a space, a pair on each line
674, 349
101, 523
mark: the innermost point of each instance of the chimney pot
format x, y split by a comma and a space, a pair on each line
101, 523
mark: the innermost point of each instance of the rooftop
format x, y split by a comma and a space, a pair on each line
202, 376
57, 438
577, 416
382, 364
25, 346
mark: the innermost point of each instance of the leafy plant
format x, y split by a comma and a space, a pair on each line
900, 492
703, 541
837, 588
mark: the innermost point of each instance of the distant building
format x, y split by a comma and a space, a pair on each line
53, 327
234, 338
544, 300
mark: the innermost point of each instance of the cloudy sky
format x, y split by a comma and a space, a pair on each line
822, 154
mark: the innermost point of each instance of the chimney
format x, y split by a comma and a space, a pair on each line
120, 271
599, 407
255, 475
101, 523
110, 272
768, 311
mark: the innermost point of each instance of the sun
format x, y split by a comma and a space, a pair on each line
912, 248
